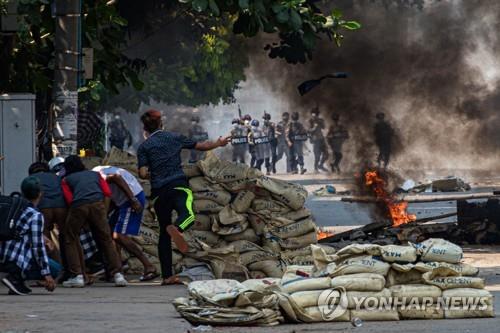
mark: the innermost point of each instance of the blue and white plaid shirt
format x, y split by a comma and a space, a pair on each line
30, 249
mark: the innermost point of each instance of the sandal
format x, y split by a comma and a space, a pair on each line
149, 276
178, 238
171, 281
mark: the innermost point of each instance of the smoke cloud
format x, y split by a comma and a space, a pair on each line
434, 71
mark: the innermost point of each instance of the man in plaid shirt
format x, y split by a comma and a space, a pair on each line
27, 258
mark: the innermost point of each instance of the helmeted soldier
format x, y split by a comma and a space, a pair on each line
261, 146
198, 134
247, 120
384, 134
337, 135
239, 140
281, 141
269, 129
118, 133
316, 127
296, 136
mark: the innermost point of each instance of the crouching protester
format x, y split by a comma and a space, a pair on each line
159, 159
26, 258
129, 199
87, 195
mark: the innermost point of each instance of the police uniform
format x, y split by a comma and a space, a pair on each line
259, 139
197, 134
270, 129
318, 141
282, 145
296, 136
239, 141
337, 135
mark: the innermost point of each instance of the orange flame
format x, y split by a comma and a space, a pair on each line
396, 209
322, 233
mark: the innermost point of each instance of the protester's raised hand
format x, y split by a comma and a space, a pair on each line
223, 141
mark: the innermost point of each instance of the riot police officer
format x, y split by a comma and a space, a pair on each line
198, 134
296, 136
247, 120
118, 133
239, 140
281, 141
261, 146
316, 127
269, 128
384, 134
337, 135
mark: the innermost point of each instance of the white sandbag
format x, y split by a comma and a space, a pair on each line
418, 291
152, 250
432, 311
201, 184
176, 257
224, 268
242, 246
375, 315
361, 264
299, 242
206, 206
149, 235
202, 222
295, 229
254, 256
236, 186
258, 224
222, 291
207, 237
293, 271
398, 253
229, 216
395, 277
476, 312
191, 170
297, 215
270, 205
467, 296
360, 282
262, 285
292, 195
437, 249
248, 235
311, 297
272, 268
302, 260
319, 314
221, 197
224, 230
222, 171
290, 254
461, 268
242, 201
361, 299
358, 249
303, 283
451, 282
271, 244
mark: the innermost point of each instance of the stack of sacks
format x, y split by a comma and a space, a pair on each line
259, 218
228, 302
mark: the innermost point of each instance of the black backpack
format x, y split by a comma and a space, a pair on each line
11, 209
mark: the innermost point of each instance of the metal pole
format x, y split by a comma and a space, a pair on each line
66, 74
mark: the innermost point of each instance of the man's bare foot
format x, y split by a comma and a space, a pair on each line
178, 238
171, 281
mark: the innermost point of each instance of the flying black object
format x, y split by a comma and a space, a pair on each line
307, 86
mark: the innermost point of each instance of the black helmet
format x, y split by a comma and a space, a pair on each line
255, 123
295, 116
285, 114
195, 118
235, 121
335, 117
247, 117
380, 115
266, 116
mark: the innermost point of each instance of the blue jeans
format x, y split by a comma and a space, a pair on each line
34, 272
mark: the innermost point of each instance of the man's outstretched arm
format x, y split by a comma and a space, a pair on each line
209, 145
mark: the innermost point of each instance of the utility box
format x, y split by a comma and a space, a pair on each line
17, 139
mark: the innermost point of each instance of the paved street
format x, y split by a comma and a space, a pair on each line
147, 307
